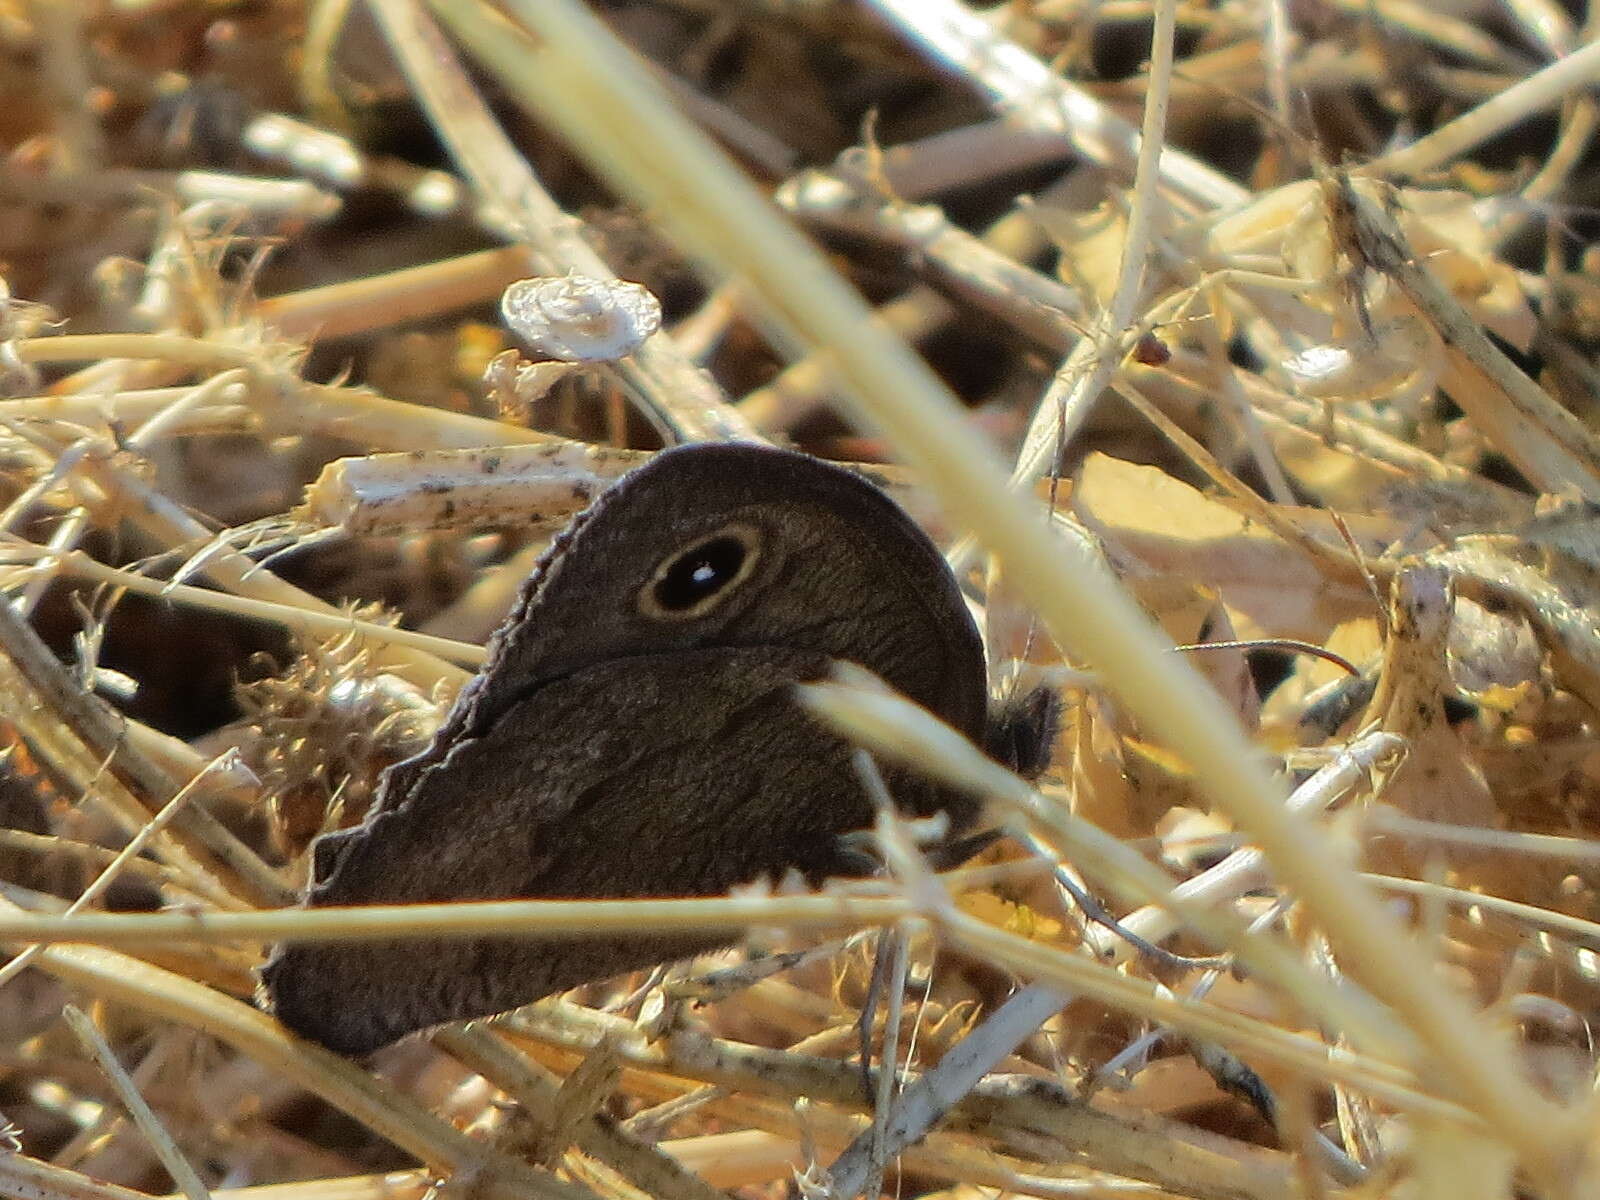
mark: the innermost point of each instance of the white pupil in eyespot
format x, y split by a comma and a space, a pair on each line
699, 574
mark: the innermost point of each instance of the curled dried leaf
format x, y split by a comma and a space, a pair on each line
576, 318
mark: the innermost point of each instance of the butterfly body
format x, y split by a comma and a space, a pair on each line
635, 733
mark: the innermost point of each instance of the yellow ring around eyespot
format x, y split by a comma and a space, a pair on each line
748, 536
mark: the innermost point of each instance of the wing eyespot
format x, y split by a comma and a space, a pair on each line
692, 581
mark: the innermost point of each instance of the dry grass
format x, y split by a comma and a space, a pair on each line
1291, 335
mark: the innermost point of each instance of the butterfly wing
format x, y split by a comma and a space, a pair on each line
633, 733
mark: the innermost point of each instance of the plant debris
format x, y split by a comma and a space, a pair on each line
1308, 905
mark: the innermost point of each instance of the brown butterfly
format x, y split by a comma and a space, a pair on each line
635, 733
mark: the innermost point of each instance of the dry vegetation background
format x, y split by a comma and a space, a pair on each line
1323, 373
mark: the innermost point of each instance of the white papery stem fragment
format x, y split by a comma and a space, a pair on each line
318, 153
295, 199
542, 485
388, 494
